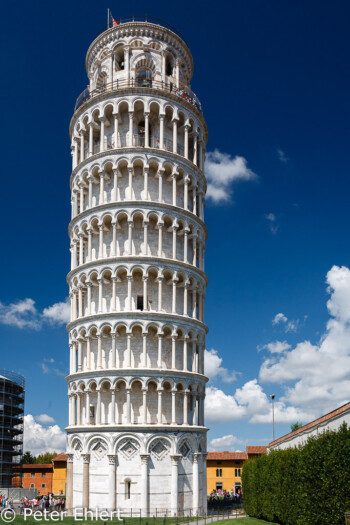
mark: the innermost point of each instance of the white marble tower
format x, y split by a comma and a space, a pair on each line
136, 435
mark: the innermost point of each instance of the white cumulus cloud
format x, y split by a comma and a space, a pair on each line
272, 222
24, 314
221, 407
222, 170
45, 419
21, 314
319, 373
282, 156
227, 442
39, 439
58, 313
275, 347
214, 368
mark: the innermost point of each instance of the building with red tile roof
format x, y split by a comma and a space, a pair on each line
224, 469
331, 421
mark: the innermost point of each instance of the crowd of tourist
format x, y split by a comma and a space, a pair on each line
48, 503
6, 503
225, 497
182, 93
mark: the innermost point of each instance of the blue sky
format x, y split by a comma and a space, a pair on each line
273, 79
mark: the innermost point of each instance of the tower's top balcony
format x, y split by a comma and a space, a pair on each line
139, 52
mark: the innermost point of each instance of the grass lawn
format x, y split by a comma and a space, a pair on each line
245, 521
19, 520
69, 520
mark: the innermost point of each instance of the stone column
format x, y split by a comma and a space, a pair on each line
145, 300
99, 351
174, 176
113, 356
131, 129
160, 185
86, 476
69, 485
160, 282
127, 63
88, 286
174, 484
111, 415
102, 187
87, 407
128, 405
90, 179
116, 130
89, 254
144, 406
160, 397
114, 294
144, 349
145, 238
193, 409
144, 484
146, 130
112, 458
82, 147
195, 486
173, 407
130, 223
160, 239
161, 131
174, 241
128, 350
173, 352
195, 139
100, 245
98, 408
79, 409
186, 142
174, 136
185, 407
115, 196
145, 175
186, 285
88, 352
175, 279
186, 245
185, 358
186, 193
159, 360
102, 134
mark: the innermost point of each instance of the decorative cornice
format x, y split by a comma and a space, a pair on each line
140, 372
160, 317
156, 152
147, 205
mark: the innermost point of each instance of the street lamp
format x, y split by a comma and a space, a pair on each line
273, 416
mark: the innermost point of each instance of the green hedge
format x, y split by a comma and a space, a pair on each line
309, 485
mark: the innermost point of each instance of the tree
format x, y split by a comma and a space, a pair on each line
28, 458
296, 426
46, 457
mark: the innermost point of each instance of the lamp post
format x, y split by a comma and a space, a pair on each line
273, 416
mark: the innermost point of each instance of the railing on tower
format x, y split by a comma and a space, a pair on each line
122, 84
140, 18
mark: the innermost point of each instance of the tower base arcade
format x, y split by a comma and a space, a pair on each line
143, 473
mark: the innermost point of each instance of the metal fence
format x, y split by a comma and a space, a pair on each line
183, 92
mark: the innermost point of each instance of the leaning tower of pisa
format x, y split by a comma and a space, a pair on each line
136, 436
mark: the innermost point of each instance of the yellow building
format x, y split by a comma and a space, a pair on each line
59, 474
224, 469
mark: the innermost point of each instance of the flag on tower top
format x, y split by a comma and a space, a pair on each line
115, 23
